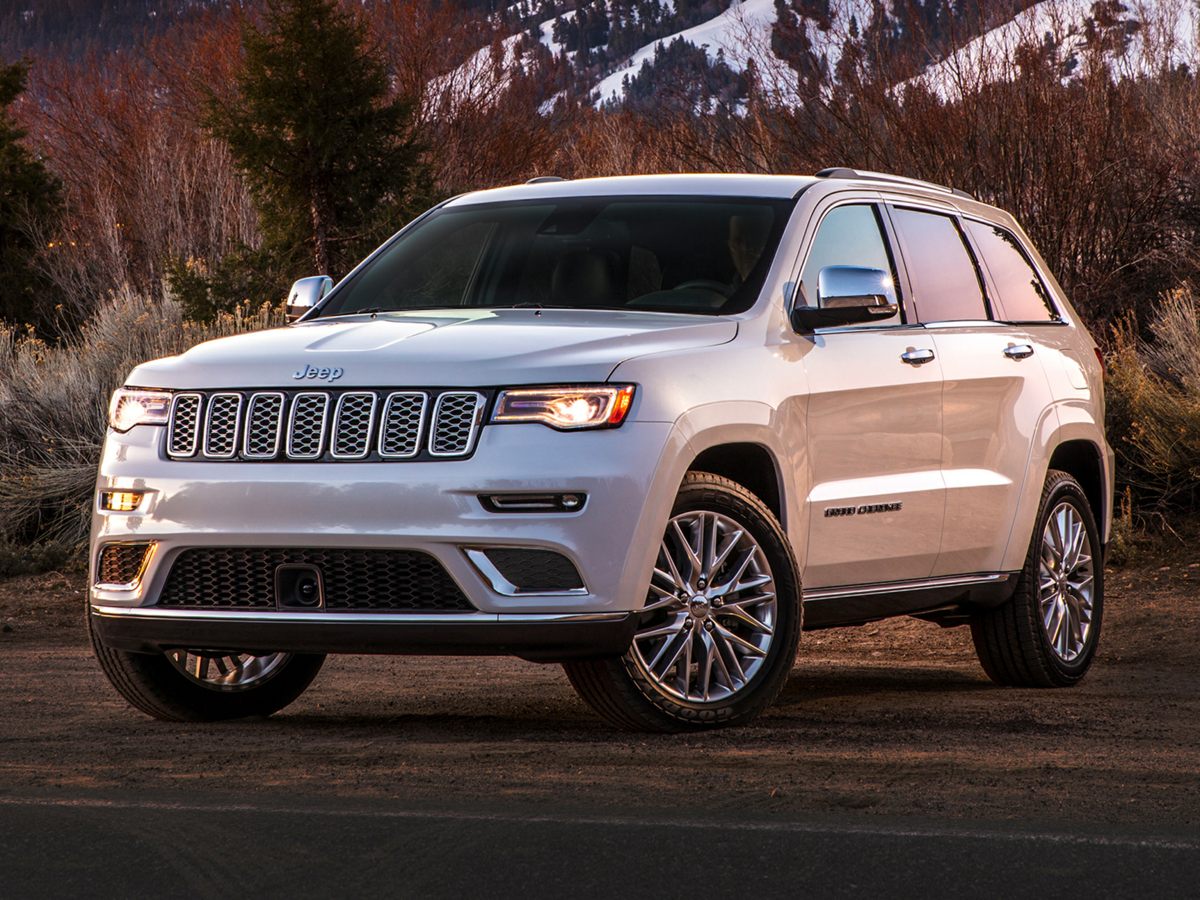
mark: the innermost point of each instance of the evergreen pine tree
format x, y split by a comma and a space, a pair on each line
327, 154
30, 201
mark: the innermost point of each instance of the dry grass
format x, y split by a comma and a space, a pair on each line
53, 407
1154, 408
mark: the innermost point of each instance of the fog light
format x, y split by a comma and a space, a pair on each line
532, 503
121, 501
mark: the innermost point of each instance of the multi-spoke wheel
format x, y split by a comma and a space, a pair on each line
707, 629
227, 671
1046, 636
1067, 581
207, 685
719, 629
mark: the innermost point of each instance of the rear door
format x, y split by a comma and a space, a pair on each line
996, 391
873, 432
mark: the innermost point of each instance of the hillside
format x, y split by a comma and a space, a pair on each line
602, 51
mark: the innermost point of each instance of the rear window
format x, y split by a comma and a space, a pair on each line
946, 285
1022, 295
688, 255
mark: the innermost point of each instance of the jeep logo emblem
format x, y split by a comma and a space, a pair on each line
324, 373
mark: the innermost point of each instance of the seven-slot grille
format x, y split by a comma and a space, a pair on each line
324, 425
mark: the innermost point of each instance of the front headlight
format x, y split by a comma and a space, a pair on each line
566, 408
132, 407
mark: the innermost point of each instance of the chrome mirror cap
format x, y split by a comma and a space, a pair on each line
842, 286
307, 293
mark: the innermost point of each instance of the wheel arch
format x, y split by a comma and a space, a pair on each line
750, 464
1083, 460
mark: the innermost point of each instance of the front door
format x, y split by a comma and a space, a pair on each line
874, 427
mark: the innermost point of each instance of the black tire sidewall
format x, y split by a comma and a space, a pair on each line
151, 683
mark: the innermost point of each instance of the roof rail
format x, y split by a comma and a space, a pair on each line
545, 179
844, 172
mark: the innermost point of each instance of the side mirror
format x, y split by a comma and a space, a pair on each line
848, 295
307, 293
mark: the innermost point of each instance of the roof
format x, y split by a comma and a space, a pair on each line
777, 187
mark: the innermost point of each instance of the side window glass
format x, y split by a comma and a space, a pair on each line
1023, 296
944, 281
847, 236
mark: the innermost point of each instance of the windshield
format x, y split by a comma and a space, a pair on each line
689, 255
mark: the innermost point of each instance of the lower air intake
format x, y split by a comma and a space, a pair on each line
532, 571
121, 564
363, 580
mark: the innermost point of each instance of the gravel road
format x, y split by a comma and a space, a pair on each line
879, 726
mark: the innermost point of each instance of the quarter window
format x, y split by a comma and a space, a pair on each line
1022, 295
945, 282
847, 236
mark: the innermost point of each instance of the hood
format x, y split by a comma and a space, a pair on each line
445, 348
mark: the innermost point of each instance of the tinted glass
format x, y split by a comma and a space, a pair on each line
944, 281
1023, 297
847, 236
686, 255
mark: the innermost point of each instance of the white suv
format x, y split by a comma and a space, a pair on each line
640, 426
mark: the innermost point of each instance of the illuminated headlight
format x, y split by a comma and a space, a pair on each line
129, 408
566, 408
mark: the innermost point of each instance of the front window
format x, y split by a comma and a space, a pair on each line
688, 255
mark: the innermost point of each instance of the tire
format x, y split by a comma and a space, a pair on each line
155, 684
700, 635
1014, 641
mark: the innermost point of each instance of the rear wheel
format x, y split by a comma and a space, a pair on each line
207, 685
1047, 634
721, 624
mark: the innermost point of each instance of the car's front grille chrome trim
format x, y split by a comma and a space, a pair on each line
183, 437
456, 420
350, 425
403, 424
353, 421
306, 426
221, 421
264, 425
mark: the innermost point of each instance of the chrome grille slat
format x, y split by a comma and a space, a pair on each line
264, 425
306, 426
455, 423
331, 425
352, 423
403, 424
184, 434
221, 425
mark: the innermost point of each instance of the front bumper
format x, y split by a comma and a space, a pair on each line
628, 475
537, 637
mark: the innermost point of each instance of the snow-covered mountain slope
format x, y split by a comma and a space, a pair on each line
1131, 38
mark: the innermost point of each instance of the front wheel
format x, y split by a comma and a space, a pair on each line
719, 631
207, 685
1047, 634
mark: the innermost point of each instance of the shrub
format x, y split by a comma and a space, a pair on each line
53, 408
1154, 408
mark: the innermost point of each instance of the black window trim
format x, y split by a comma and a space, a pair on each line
1057, 317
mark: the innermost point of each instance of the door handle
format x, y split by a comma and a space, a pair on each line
1018, 351
917, 357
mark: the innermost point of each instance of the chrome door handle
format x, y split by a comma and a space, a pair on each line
1018, 351
917, 357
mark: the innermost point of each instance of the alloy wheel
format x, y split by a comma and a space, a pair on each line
710, 616
222, 671
1066, 582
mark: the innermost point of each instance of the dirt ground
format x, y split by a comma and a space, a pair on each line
893, 719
